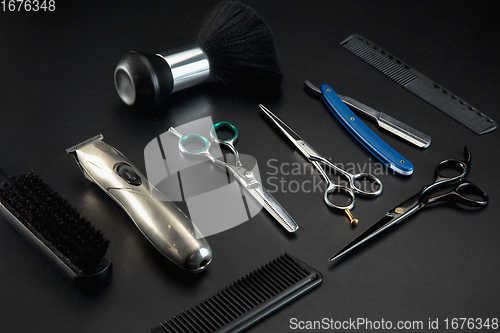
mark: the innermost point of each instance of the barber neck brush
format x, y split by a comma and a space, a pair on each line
234, 50
56, 229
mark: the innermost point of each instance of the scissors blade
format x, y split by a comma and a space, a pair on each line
309, 152
290, 133
390, 219
273, 207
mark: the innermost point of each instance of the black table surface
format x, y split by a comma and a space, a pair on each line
56, 89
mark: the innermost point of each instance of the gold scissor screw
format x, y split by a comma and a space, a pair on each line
352, 219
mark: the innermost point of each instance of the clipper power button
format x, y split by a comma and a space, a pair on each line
128, 174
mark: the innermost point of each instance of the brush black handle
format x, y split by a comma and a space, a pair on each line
144, 80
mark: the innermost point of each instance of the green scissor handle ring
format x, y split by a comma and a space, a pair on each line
224, 125
196, 139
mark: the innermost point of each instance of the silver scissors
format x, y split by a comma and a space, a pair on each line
317, 160
464, 193
244, 176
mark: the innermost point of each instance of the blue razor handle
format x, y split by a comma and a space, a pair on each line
378, 147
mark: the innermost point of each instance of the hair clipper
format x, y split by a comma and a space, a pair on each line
161, 221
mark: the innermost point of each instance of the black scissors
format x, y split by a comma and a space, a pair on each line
464, 193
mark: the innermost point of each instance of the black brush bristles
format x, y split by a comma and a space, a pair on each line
56, 224
241, 49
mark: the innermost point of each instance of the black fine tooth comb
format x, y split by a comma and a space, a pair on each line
418, 84
247, 300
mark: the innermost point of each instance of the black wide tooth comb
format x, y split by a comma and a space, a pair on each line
247, 300
56, 229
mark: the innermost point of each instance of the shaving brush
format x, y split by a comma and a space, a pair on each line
234, 50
